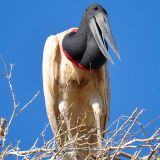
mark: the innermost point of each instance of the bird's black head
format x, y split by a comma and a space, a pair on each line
96, 18
92, 10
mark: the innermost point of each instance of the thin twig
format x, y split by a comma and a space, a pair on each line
31, 100
15, 105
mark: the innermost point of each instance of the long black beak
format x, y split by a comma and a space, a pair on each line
100, 22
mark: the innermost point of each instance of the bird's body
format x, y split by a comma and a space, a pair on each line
63, 80
76, 87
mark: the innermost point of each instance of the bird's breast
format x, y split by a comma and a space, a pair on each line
71, 75
76, 85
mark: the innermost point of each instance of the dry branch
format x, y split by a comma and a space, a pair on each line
121, 139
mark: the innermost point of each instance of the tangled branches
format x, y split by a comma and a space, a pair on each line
124, 138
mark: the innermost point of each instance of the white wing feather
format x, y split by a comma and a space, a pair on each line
106, 90
50, 74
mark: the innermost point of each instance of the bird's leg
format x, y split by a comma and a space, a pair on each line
63, 108
97, 105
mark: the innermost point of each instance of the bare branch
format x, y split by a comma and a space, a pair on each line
28, 103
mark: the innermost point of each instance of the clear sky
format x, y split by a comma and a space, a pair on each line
135, 81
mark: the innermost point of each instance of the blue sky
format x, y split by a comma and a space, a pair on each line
24, 27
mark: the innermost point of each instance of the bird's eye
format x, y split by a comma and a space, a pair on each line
95, 8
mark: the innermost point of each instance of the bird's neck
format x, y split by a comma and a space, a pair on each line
81, 48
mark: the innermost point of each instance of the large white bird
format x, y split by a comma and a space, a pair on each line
76, 81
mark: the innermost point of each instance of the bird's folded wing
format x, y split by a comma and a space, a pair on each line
50, 76
105, 97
